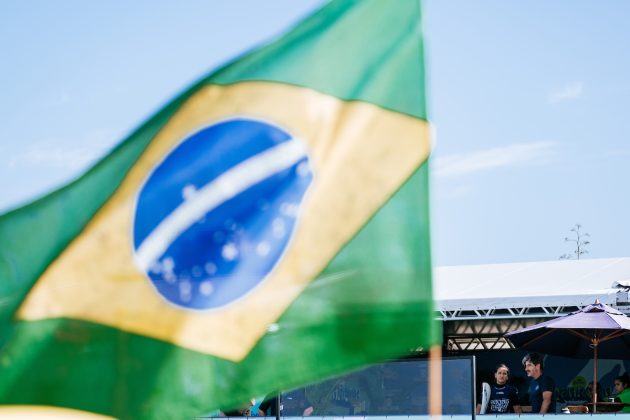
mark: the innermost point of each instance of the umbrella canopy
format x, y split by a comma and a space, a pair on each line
596, 330
576, 334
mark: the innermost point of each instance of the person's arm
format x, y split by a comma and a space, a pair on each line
478, 408
546, 402
514, 401
309, 407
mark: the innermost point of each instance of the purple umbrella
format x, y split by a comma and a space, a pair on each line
596, 330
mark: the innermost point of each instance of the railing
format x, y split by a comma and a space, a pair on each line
524, 416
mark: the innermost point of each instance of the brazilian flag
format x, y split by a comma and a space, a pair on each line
267, 228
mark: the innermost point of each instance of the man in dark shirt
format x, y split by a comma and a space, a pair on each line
541, 387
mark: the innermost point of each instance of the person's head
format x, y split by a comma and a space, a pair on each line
501, 374
621, 383
533, 365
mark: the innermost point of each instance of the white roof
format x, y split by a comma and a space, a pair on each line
533, 284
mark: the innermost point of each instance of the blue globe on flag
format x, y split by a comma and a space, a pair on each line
215, 216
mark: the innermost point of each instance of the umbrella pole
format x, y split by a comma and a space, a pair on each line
595, 376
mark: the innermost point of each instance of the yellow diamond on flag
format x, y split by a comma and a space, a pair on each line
360, 154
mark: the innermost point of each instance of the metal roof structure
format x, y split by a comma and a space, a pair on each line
480, 303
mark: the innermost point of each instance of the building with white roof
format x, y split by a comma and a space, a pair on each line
480, 303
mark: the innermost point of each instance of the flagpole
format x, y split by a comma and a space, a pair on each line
595, 343
435, 351
435, 380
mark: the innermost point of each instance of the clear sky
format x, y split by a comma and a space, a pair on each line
530, 101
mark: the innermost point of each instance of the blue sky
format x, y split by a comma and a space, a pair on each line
529, 101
